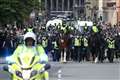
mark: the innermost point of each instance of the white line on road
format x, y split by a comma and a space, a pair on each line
59, 74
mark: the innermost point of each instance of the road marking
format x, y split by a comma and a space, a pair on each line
59, 74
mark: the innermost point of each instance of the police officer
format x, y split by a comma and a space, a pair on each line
77, 45
84, 48
59, 26
63, 28
45, 43
30, 46
111, 48
117, 45
30, 29
55, 51
95, 29
85, 28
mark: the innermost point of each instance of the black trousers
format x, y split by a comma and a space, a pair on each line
85, 53
110, 54
56, 55
76, 54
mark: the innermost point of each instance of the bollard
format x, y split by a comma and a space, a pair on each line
59, 74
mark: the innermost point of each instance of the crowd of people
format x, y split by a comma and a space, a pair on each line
66, 43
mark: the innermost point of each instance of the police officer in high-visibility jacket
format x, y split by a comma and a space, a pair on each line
31, 47
85, 48
55, 50
29, 29
63, 28
95, 28
77, 45
45, 44
85, 28
111, 49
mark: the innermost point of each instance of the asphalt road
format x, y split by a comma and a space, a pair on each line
89, 71
80, 71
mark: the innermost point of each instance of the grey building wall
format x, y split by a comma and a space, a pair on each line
75, 7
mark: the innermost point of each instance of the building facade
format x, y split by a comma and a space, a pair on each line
91, 7
118, 10
55, 8
105, 9
109, 10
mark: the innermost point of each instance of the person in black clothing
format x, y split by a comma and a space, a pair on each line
117, 45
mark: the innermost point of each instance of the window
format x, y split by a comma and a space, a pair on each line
111, 4
82, 2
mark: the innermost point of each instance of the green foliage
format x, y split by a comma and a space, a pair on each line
16, 10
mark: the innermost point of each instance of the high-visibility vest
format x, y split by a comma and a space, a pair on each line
85, 28
77, 42
111, 44
44, 43
30, 29
59, 26
85, 42
22, 49
64, 29
95, 29
55, 45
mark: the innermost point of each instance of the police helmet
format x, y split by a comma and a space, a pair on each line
30, 35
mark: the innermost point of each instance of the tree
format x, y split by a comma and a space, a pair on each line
16, 10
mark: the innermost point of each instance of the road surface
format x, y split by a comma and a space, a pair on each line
80, 71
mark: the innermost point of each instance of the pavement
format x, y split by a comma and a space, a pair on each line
80, 71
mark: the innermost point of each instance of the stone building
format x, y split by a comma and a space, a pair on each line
108, 9
118, 10
71, 8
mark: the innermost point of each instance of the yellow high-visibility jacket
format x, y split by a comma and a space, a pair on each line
22, 49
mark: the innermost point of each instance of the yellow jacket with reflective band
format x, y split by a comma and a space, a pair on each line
22, 49
64, 29
95, 29
111, 44
30, 29
55, 45
44, 43
85, 42
77, 42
